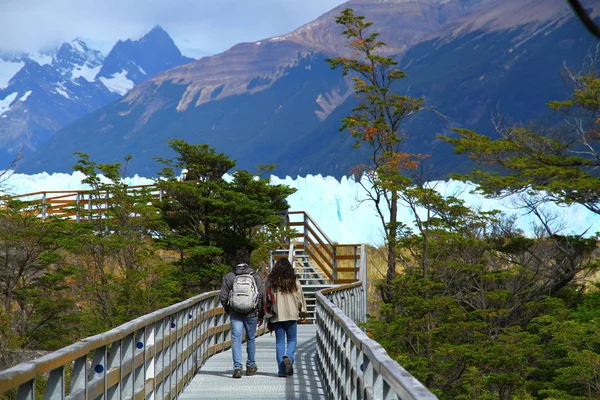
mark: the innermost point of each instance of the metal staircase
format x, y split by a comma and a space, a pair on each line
318, 262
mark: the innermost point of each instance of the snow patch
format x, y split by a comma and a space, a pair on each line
78, 46
62, 92
6, 103
86, 72
8, 69
118, 82
41, 58
25, 96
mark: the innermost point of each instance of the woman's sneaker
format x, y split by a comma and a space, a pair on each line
289, 369
251, 370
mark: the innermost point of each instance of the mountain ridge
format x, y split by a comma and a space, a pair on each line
277, 101
40, 94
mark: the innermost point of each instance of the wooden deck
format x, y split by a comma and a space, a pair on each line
214, 380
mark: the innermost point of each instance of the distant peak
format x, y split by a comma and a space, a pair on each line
157, 29
155, 33
79, 45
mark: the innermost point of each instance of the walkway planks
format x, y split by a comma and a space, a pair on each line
214, 380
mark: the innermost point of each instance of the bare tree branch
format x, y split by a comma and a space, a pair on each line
585, 18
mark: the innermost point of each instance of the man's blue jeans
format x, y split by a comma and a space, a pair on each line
285, 329
239, 323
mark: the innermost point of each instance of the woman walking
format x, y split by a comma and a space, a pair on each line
284, 304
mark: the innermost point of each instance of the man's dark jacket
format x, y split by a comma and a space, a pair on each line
227, 285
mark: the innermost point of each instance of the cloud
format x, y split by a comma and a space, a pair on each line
198, 26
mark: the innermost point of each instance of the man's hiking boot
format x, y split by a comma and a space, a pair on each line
289, 369
251, 370
237, 373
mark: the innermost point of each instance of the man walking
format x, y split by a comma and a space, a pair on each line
242, 297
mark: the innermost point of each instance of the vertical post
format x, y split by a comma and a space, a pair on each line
334, 264
139, 373
98, 370
127, 347
305, 229
364, 276
114, 363
356, 265
77, 207
79, 377
55, 388
26, 391
90, 207
44, 206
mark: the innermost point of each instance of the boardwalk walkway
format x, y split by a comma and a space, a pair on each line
214, 381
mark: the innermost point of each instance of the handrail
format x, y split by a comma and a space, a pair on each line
155, 355
324, 252
355, 366
74, 192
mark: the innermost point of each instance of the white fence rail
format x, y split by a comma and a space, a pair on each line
151, 357
353, 365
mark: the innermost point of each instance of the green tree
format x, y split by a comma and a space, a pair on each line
376, 122
211, 218
466, 329
561, 162
34, 286
121, 275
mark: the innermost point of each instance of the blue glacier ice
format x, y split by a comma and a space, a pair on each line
339, 206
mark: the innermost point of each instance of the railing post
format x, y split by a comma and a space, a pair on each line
77, 207
79, 376
26, 391
355, 251
44, 206
305, 229
98, 371
364, 278
55, 388
334, 264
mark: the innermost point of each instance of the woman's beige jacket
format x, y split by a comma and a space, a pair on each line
288, 306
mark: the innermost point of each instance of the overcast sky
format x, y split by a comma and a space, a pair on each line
199, 27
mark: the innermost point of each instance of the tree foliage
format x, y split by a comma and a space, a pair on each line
376, 122
489, 319
210, 219
561, 162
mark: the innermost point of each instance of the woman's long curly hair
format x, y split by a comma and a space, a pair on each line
282, 276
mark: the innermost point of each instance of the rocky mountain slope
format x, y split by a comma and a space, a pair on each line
277, 101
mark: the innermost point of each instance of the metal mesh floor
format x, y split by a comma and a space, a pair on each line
214, 380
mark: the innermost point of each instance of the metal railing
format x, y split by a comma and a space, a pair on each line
80, 205
339, 262
353, 365
151, 357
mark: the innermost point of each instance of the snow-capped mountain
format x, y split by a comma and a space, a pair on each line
41, 93
132, 62
75, 59
277, 101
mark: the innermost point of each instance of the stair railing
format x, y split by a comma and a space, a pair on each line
355, 366
339, 262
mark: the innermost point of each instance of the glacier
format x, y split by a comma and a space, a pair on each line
339, 206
